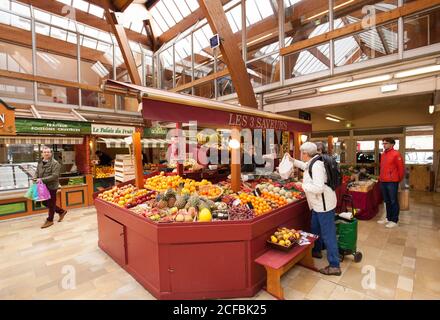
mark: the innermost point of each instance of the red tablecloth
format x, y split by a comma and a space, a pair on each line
366, 203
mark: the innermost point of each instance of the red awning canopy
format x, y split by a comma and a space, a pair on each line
163, 105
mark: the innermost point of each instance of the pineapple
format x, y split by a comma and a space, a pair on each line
210, 204
170, 193
180, 202
162, 204
193, 201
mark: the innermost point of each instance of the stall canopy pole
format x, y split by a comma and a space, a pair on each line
235, 160
179, 164
137, 150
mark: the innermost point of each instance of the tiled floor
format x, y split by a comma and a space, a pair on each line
401, 263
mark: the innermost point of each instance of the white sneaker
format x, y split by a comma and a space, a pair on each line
390, 225
382, 221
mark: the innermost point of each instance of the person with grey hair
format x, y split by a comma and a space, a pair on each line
48, 172
322, 201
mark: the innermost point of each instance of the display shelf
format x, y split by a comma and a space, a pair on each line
222, 252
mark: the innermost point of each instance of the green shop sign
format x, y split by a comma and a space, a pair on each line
155, 132
52, 127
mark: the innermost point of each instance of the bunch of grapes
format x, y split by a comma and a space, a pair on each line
241, 212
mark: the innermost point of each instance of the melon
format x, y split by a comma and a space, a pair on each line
276, 189
282, 192
270, 187
205, 215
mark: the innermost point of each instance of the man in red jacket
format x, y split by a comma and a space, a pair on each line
391, 173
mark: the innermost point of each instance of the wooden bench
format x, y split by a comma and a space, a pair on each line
278, 262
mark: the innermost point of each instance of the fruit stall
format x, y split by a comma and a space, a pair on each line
187, 239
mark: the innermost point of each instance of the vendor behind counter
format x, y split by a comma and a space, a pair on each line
104, 158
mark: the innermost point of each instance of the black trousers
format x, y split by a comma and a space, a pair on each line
51, 204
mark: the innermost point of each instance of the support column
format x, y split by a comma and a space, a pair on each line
214, 13
235, 161
179, 166
139, 169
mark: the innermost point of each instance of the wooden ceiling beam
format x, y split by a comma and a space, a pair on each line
218, 21
49, 44
381, 18
121, 5
59, 9
124, 46
183, 25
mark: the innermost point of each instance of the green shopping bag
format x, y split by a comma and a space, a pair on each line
30, 192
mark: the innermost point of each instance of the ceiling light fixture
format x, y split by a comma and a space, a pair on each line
355, 83
260, 38
289, 95
326, 11
417, 71
333, 119
389, 88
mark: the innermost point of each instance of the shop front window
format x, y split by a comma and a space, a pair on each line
419, 149
18, 163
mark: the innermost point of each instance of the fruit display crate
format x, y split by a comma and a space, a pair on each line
222, 252
124, 168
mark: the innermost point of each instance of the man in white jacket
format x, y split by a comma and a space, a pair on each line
322, 201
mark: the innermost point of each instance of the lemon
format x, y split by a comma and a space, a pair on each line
274, 239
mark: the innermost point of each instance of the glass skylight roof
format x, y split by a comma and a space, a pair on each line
58, 27
166, 13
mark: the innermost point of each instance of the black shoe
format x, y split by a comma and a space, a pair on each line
317, 255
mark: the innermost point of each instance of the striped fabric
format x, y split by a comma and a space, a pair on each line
40, 140
120, 143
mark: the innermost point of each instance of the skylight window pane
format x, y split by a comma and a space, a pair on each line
72, 25
265, 8
252, 12
42, 28
91, 32
105, 36
192, 4
21, 23
71, 37
165, 14
60, 22
135, 46
183, 7
5, 18
175, 13
58, 33
21, 9
5, 4
236, 14
90, 43
230, 4
137, 26
81, 5
104, 47
232, 22
96, 11
126, 23
42, 16
159, 20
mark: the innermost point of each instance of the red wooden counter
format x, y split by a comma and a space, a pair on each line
367, 202
193, 260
